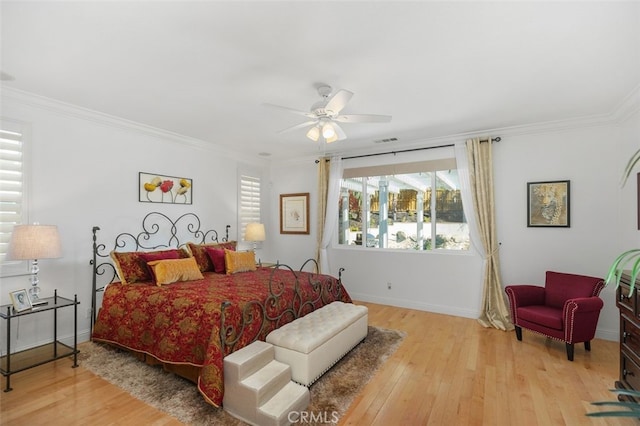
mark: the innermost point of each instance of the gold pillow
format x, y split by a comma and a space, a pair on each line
172, 270
239, 261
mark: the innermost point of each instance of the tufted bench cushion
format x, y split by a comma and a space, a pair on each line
313, 343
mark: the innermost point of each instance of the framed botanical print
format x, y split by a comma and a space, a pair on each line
294, 213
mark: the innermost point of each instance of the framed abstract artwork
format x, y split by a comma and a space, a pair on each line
294, 213
154, 188
548, 204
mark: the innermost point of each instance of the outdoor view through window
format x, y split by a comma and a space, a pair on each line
406, 211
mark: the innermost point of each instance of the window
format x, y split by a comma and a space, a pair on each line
12, 189
405, 206
249, 198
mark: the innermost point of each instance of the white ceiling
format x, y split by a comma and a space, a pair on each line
203, 69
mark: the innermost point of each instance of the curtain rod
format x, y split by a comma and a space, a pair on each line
496, 139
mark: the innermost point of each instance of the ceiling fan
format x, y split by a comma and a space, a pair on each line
325, 116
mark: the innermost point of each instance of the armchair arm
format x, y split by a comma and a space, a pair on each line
581, 318
583, 304
525, 295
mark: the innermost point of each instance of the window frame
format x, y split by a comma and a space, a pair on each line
431, 162
10, 268
249, 178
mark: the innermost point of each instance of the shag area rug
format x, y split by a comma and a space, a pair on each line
333, 393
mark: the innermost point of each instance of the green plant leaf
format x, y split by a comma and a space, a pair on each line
630, 165
620, 264
626, 392
614, 414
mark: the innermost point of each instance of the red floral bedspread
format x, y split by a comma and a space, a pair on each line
180, 323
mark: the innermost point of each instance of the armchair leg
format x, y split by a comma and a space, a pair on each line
570, 351
519, 332
587, 345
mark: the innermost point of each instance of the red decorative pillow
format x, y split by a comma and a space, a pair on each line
132, 267
199, 252
216, 255
160, 255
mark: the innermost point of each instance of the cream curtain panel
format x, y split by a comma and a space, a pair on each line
495, 312
329, 176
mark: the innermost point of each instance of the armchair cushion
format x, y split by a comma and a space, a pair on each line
546, 316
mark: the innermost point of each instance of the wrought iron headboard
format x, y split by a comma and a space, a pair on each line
158, 231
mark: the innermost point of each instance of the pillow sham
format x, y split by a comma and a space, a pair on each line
199, 252
132, 267
169, 271
239, 261
216, 255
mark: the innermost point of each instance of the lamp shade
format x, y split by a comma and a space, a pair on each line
34, 242
314, 133
254, 232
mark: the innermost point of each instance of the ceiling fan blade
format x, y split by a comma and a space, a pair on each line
362, 118
339, 132
299, 126
295, 111
338, 101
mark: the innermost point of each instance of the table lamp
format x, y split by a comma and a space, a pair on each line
33, 242
254, 232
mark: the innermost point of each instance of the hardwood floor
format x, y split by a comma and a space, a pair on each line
447, 371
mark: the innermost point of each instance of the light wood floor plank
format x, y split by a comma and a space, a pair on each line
448, 370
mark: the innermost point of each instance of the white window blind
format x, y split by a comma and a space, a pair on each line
249, 202
12, 197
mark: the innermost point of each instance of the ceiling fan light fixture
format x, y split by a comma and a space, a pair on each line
314, 133
328, 132
332, 138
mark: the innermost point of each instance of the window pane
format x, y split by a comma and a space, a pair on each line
396, 212
452, 232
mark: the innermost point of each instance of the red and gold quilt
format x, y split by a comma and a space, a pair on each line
180, 323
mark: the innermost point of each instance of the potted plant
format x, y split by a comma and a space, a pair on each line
630, 259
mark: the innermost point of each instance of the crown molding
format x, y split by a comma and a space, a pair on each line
627, 108
74, 111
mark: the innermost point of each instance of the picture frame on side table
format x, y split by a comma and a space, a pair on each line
548, 204
20, 300
294, 213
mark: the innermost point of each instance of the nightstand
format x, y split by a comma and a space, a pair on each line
19, 361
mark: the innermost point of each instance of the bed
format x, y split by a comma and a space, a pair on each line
191, 323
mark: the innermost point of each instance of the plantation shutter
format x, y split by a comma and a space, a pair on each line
249, 201
12, 197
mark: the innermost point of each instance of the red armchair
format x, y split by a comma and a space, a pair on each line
567, 308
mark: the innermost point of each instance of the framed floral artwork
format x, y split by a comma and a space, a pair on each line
294, 213
154, 188
548, 204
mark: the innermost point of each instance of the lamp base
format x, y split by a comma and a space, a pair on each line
34, 293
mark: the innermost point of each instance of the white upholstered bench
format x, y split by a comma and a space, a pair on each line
315, 342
